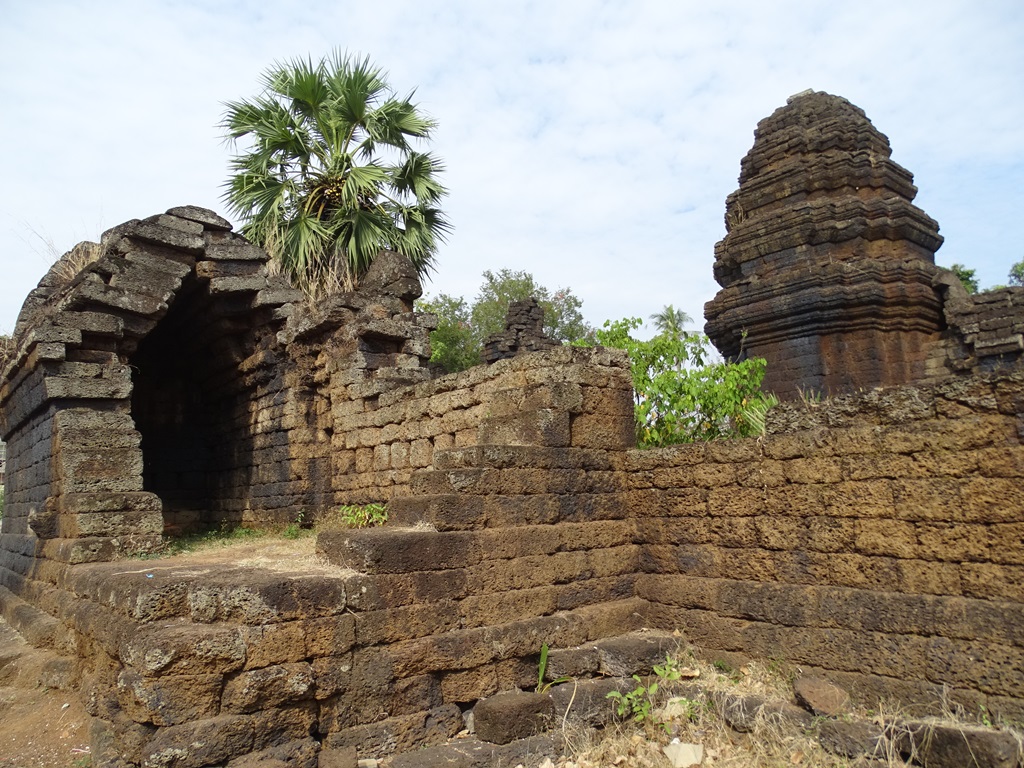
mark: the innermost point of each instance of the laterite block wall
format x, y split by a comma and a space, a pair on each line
882, 542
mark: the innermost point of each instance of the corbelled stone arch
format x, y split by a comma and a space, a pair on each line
171, 292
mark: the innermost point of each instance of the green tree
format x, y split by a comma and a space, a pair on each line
1017, 273
967, 277
679, 396
454, 345
330, 176
461, 329
563, 320
671, 321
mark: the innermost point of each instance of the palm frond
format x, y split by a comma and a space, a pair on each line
310, 184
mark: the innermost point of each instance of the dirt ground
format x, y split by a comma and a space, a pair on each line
39, 727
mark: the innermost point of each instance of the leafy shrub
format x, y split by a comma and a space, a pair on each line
679, 396
365, 516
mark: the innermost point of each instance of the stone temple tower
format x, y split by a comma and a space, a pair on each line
827, 268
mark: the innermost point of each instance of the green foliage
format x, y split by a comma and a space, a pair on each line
330, 176
967, 277
639, 702
671, 321
454, 344
461, 330
563, 320
294, 530
363, 516
1016, 275
669, 671
542, 668
680, 397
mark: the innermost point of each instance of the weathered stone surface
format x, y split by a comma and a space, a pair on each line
169, 700
204, 216
820, 697
851, 739
199, 743
524, 332
473, 753
341, 757
827, 269
509, 716
269, 687
633, 654
304, 753
945, 746
394, 275
586, 701
400, 734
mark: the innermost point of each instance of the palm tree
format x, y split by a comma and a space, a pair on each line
331, 177
671, 321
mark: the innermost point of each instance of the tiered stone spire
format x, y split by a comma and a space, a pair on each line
827, 266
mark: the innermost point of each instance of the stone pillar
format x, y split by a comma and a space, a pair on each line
524, 332
827, 267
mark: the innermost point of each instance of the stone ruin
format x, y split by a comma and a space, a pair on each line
828, 269
176, 384
524, 332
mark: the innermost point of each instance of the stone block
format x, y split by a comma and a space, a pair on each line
262, 689
820, 697
545, 427
299, 753
634, 654
400, 734
168, 700
201, 742
508, 716
274, 644
445, 512
851, 739
209, 219
599, 430
388, 550
184, 649
936, 745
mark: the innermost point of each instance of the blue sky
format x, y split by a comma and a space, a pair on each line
589, 143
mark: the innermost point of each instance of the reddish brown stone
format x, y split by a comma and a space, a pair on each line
827, 269
508, 716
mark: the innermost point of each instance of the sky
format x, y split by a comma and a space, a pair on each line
591, 144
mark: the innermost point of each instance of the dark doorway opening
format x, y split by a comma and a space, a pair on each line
179, 408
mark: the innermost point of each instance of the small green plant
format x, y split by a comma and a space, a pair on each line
637, 703
542, 668
985, 717
640, 701
728, 671
669, 671
294, 529
365, 516
811, 398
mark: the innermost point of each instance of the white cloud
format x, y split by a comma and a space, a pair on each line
590, 143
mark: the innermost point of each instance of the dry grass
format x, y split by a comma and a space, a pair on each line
7, 348
698, 719
67, 267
